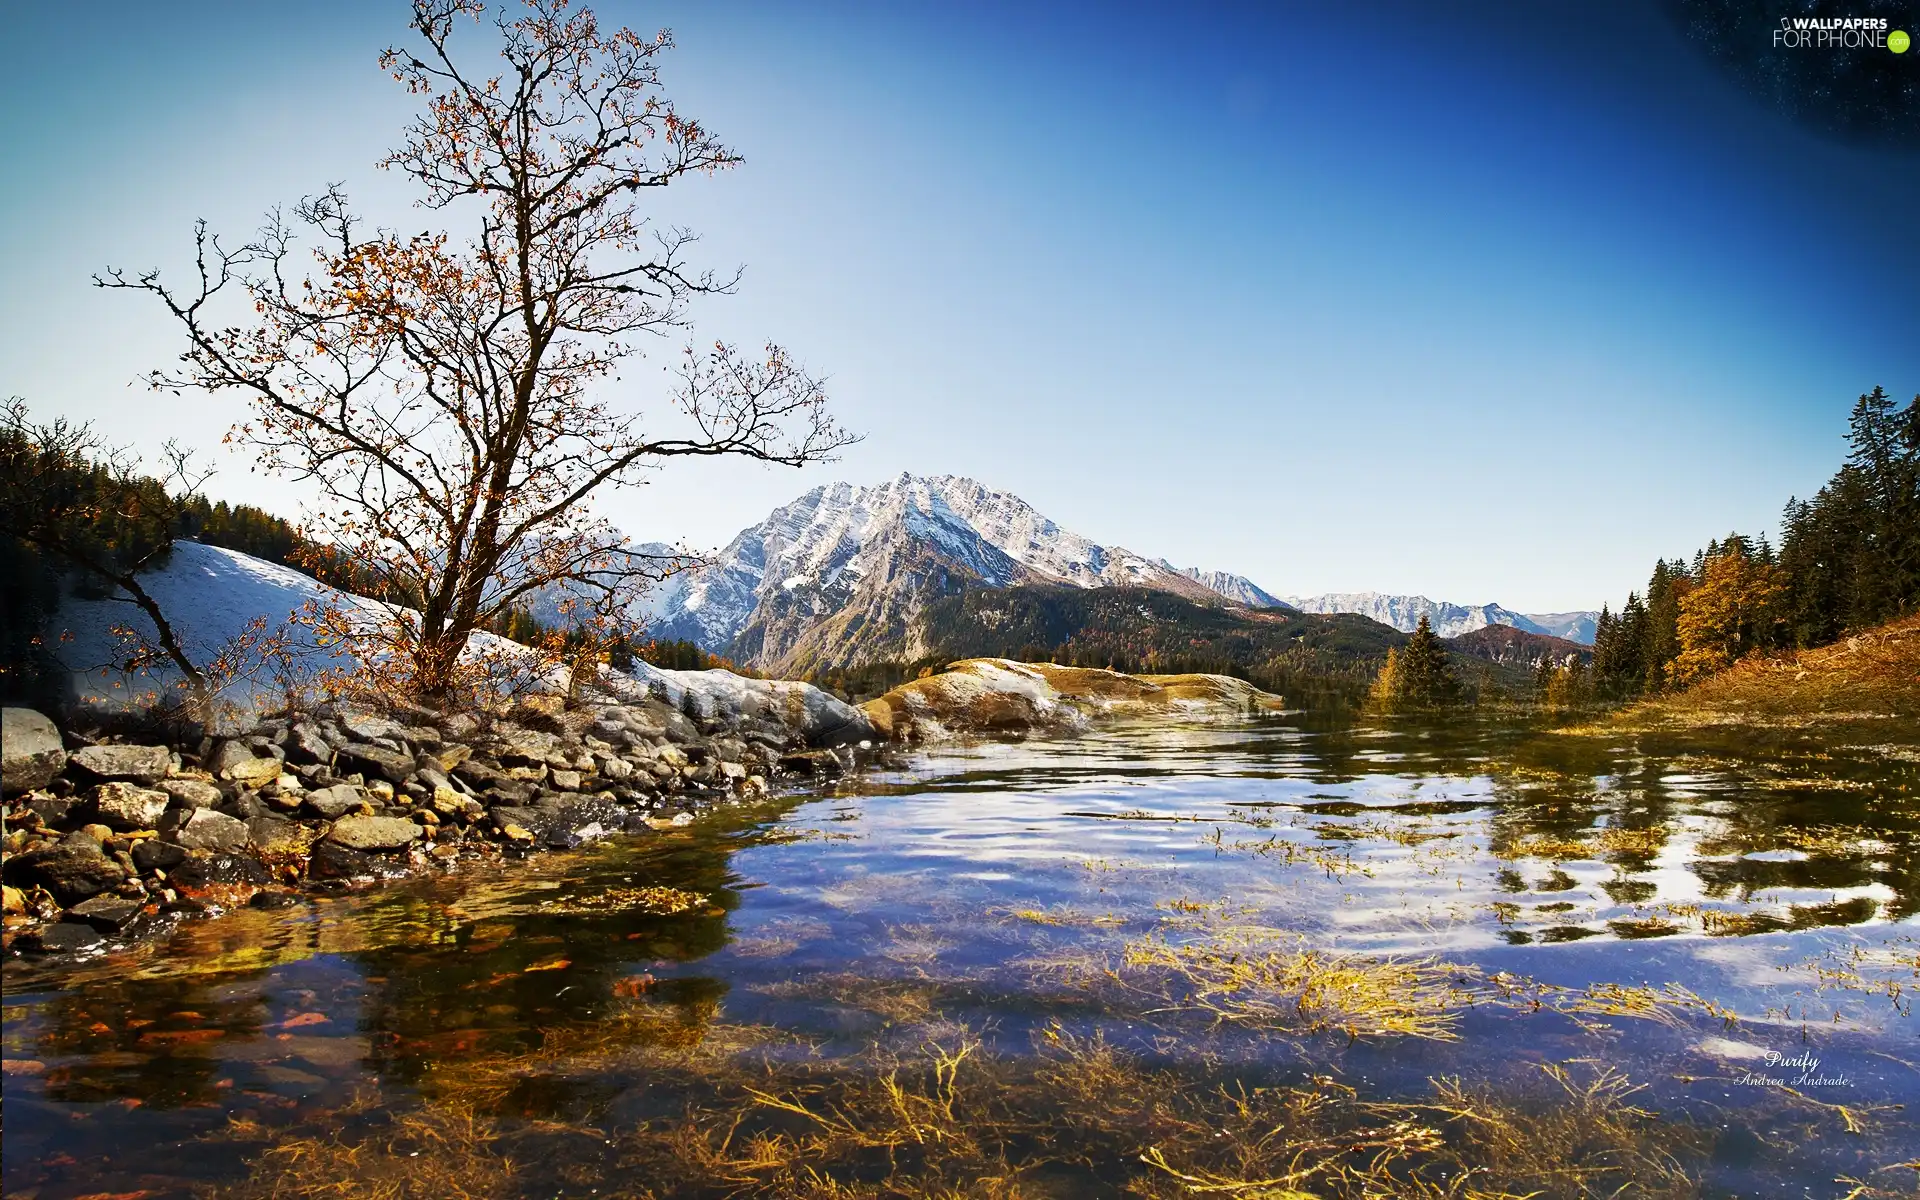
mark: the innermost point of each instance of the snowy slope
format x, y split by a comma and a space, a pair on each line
210, 595
1448, 620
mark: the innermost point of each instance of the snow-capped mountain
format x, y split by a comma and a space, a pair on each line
844, 559
1237, 588
1573, 626
1448, 620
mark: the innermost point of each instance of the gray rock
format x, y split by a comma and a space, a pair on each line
31, 752
373, 833
337, 801
271, 834
73, 870
124, 806
105, 913
333, 861
62, 938
205, 829
191, 793
237, 762
566, 781
152, 854
365, 727
307, 745
479, 775
531, 819
374, 761
53, 810
510, 792
128, 764
617, 770
459, 727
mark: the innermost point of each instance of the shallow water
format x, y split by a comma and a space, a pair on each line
1062, 923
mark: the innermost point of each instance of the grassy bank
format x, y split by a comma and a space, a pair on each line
1870, 680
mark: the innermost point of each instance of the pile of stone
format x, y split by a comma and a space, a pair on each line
105, 837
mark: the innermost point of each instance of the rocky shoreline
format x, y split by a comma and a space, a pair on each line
114, 836
110, 838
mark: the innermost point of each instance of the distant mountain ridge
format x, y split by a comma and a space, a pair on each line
1237, 588
1447, 619
845, 574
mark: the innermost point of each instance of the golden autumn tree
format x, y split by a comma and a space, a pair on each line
1726, 615
449, 399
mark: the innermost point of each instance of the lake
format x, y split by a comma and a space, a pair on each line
1288, 958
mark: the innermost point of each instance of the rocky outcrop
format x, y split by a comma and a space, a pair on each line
1000, 696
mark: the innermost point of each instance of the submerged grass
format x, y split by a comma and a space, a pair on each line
1302, 988
1077, 1115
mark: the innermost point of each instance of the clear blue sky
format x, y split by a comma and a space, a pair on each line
1485, 302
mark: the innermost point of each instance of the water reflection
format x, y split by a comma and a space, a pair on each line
975, 899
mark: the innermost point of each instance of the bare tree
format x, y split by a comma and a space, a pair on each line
445, 398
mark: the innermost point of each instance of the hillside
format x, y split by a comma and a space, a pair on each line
1516, 647
1310, 658
1869, 677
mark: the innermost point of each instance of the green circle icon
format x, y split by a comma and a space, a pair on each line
1898, 41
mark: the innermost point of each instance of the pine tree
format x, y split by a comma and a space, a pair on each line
1417, 675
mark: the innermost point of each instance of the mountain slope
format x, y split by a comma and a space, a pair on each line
1237, 588
839, 574
1505, 644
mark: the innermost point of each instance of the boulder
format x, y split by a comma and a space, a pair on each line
205, 829
459, 726
366, 833
74, 869
54, 810
274, 836
61, 938
211, 867
333, 861
306, 745
375, 761
152, 854
123, 806
479, 775
31, 752
123, 764
367, 727
105, 913
191, 793
236, 762
617, 770
337, 801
